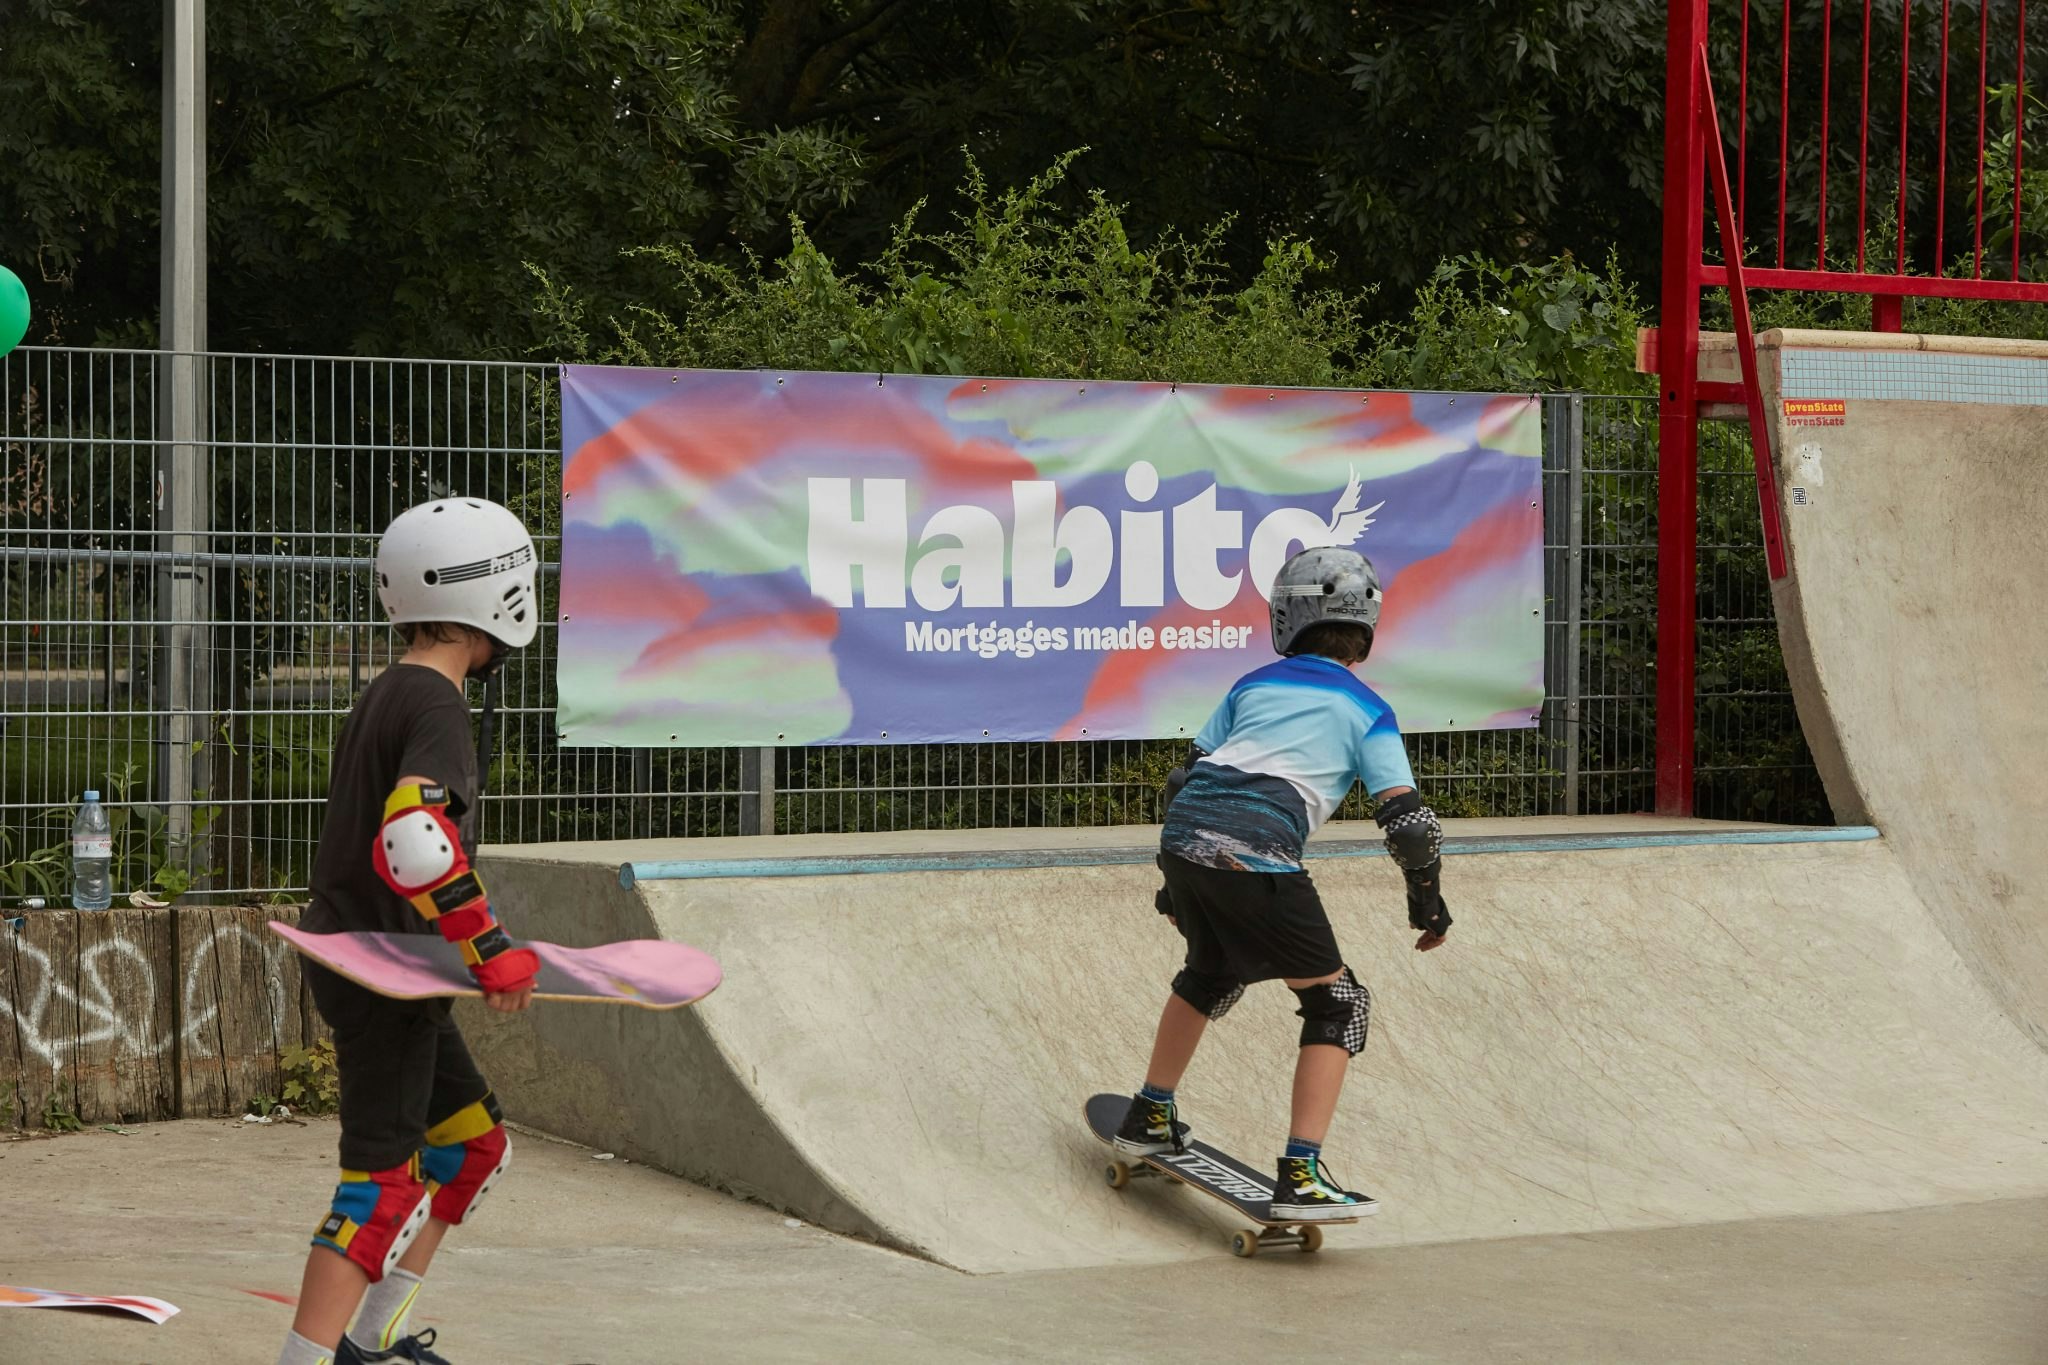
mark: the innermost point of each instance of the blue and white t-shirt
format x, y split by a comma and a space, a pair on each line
1283, 751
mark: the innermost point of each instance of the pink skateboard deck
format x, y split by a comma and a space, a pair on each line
649, 972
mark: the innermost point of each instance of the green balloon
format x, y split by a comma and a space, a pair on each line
13, 310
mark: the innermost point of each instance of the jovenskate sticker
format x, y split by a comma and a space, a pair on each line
1816, 412
1799, 498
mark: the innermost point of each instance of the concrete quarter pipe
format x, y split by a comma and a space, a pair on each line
1636, 1022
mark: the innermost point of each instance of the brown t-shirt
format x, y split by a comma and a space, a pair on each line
409, 722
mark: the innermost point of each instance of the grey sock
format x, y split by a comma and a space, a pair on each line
386, 1304
299, 1351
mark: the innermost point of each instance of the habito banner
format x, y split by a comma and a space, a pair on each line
765, 557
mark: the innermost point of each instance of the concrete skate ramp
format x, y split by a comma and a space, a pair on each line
1913, 620
1702, 1024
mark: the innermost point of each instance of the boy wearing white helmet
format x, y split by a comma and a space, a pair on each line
1274, 761
421, 1137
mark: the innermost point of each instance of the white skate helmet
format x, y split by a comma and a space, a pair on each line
1324, 583
464, 561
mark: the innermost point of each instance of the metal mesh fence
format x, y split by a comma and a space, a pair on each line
186, 616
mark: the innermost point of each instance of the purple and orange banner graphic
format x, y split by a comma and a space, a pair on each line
760, 557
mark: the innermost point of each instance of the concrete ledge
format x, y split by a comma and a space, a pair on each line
633, 873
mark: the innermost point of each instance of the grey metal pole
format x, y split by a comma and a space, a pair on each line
1574, 596
757, 790
184, 475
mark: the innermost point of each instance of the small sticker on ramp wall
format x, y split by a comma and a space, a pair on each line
1807, 460
1816, 412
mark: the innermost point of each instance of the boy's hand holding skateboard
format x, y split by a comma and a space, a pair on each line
507, 976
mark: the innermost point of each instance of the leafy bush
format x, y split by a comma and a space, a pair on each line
1020, 286
311, 1082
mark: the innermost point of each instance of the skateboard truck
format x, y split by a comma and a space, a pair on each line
1118, 1173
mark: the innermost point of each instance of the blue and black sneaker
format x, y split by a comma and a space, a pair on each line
1151, 1127
412, 1350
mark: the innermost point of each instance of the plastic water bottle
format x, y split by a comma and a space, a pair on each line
92, 856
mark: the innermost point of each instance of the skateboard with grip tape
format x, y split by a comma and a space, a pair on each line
651, 973
1215, 1173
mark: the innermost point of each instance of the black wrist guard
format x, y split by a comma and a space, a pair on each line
1426, 909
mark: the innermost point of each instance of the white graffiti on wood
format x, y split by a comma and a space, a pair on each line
102, 1018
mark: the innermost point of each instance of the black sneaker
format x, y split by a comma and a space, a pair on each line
411, 1350
1151, 1127
1305, 1193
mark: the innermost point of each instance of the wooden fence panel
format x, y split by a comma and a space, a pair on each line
240, 999
121, 1067
133, 1015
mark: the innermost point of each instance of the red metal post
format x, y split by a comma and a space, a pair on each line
1827, 53
1888, 313
1678, 340
1863, 143
1784, 122
1905, 91
1742, 119
1745, 335
1941, 156
1983, 54
2019, 138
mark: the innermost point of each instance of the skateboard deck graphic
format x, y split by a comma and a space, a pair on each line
651, 973
1215, 1173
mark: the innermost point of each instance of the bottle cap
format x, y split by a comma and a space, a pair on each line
92, 796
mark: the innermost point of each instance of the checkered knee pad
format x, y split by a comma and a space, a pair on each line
1336, 1012
1212, 995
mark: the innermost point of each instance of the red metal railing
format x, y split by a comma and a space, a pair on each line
1694, 150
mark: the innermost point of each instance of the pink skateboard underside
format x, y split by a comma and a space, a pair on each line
650, 972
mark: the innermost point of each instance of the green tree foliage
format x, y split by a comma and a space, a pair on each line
379, 168
1019, 284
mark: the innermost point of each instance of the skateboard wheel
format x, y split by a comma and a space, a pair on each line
1244, 1244
1117, 1174
1311, 1238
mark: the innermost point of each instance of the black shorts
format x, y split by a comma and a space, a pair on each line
403, 1068
1250, 926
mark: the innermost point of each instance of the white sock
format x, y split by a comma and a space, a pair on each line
380, 1323
299, 1351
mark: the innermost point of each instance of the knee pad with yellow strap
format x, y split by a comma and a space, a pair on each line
464, 1156
376, 1216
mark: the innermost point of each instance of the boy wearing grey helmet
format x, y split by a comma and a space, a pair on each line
1273, 762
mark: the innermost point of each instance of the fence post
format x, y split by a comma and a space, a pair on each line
184, 478
1564, 440
757, 790
1574, 594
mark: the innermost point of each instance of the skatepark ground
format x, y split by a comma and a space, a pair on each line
579, 1260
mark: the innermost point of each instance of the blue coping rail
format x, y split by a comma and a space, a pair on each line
630, 874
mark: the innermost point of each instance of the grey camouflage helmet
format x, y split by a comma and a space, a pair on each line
1326, 583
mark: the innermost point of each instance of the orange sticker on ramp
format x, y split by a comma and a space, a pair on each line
1816, 412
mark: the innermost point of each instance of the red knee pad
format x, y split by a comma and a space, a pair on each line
464, 1156
376, 1216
